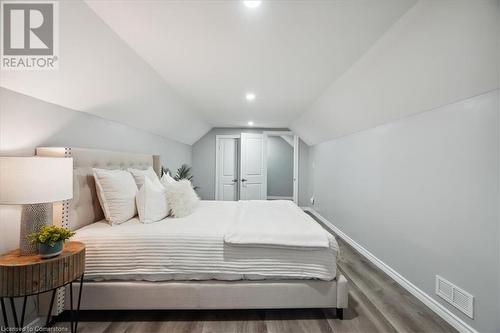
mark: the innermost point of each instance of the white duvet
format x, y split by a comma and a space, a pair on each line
278, 223
193, 248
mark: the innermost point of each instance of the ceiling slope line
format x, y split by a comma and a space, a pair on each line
191, 108
403, 73
359, 58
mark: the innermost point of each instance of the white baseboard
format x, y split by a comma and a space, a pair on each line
435, 306
277, 197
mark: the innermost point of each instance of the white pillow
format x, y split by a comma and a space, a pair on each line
181, 197
151, 202
116, 190
140, 174
166, 179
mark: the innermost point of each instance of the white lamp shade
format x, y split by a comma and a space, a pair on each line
32, 180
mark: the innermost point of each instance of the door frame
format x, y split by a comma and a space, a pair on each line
217, 162
295, 159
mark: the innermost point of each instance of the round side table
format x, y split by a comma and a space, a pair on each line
23, 276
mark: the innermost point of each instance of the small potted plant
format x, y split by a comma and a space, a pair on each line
50, 240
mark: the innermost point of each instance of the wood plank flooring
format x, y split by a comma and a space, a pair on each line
376, 304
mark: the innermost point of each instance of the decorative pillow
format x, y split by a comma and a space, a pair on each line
166, 179
140, 174
181, 197
116, 190
151, 202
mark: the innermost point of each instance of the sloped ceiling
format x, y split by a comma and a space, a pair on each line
177, 68
438, 53
286, 52
100, 74
323, 68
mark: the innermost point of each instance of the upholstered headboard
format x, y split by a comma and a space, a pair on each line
84, 208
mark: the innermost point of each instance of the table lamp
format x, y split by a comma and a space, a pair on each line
35, 183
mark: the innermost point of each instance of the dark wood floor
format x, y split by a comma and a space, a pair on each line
376, 304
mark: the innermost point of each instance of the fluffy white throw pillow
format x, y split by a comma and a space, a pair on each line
140, 174
151, 202
181, 197
116, 190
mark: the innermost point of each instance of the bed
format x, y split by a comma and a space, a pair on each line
193, 248
185, 263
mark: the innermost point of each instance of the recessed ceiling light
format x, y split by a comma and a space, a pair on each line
250, 96
250, 123
252, 3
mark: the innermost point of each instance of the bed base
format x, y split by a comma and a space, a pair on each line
183, 295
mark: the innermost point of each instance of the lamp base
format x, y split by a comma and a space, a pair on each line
34, 216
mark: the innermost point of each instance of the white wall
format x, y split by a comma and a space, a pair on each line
26, 123
498, 13
421, 190
439, 52
421, 194
279, 167
304, 175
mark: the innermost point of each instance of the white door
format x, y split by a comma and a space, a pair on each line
253, 167
227, 187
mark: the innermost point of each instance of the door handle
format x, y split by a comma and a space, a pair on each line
243, 180
235, 180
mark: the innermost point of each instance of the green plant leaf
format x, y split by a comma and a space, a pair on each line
50, 234
184, 172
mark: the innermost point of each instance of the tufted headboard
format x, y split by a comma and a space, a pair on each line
85, 208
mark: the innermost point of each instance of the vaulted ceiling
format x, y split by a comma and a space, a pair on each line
286, 52
178, 68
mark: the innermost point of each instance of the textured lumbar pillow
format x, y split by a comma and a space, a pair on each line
140, 174
116, 190
151, 202
181, 197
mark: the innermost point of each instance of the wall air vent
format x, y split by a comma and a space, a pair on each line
457, 297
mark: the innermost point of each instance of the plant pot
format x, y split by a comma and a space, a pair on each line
47, 251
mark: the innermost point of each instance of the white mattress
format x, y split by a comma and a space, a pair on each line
193, 248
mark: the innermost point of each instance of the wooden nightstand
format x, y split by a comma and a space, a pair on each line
23, 276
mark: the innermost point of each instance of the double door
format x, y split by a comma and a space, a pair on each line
241, 167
